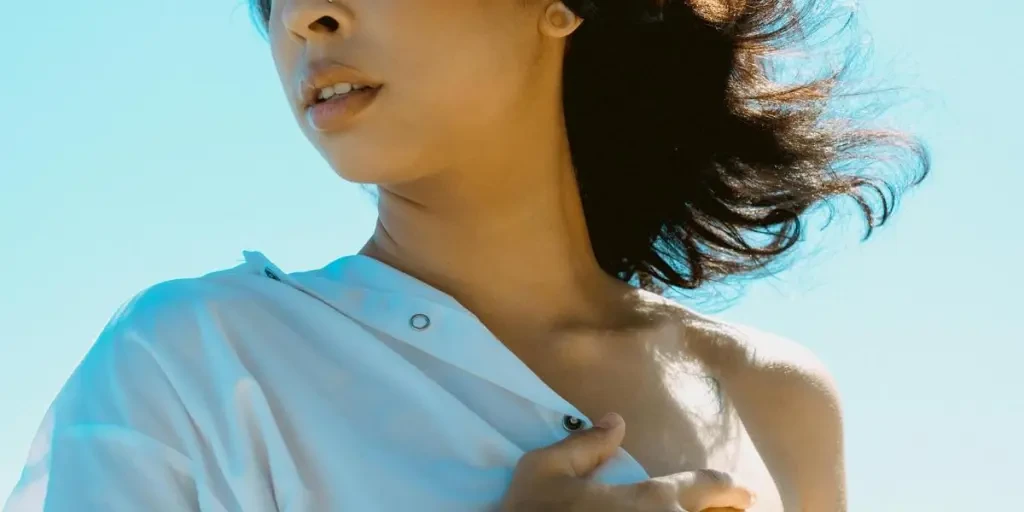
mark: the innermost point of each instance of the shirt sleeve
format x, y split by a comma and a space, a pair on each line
106, 468
117, 437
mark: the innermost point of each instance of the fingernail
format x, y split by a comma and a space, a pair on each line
609, 421
751, 500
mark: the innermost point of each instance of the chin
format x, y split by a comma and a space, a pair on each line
369, 164
361, 178
371, 174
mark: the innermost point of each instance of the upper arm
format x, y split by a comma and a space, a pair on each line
790, 407
93, 468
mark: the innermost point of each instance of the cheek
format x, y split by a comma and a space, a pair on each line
466, 80
452, 51
425, 127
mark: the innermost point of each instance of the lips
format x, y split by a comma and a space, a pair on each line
326, 73
341, 112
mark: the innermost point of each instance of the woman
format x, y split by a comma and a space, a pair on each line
546, 169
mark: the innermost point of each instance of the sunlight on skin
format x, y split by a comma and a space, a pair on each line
685, 381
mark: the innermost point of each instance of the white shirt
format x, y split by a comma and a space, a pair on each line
354, 387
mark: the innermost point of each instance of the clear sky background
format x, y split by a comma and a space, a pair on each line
147, 140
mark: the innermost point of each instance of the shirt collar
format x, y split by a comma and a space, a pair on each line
387, 299
366, 272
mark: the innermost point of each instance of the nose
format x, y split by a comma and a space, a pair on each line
312, 19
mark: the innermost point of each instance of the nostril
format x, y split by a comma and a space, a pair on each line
325, 24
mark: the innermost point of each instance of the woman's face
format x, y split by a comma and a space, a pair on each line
452, 73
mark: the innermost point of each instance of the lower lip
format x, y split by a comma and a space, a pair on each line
339, 112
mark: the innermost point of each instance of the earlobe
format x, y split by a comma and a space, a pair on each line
559, 21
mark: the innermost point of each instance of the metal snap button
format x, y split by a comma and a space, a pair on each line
419, 321
572, 423
271, 274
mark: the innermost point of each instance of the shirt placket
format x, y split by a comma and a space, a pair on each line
458, 338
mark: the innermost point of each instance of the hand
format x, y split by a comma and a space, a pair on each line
555, 478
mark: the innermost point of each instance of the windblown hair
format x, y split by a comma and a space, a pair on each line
694, 163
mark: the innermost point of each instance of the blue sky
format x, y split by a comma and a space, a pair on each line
143, 141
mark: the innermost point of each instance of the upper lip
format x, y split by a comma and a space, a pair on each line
323, 73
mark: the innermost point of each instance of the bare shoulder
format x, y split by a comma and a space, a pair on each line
733, 350
787, 400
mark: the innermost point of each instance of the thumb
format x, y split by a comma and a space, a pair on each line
581, 453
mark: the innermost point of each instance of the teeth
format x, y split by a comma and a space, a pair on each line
343, 88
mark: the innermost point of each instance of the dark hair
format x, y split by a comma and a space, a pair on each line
694, 164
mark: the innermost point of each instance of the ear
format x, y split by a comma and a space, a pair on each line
559, 21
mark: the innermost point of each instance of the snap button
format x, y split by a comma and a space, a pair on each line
572, 423
271, 274
419, 321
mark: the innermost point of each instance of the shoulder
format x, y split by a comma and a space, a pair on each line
774, 382
172, 318
153, 338
150, 387
740, 352
790, 406
787, 399
166, 302
730, 350
127, 399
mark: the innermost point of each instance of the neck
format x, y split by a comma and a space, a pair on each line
514, 250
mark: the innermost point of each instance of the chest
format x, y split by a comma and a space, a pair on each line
677, 419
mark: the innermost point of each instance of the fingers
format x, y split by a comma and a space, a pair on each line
709, 489
696, 491
583, 452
